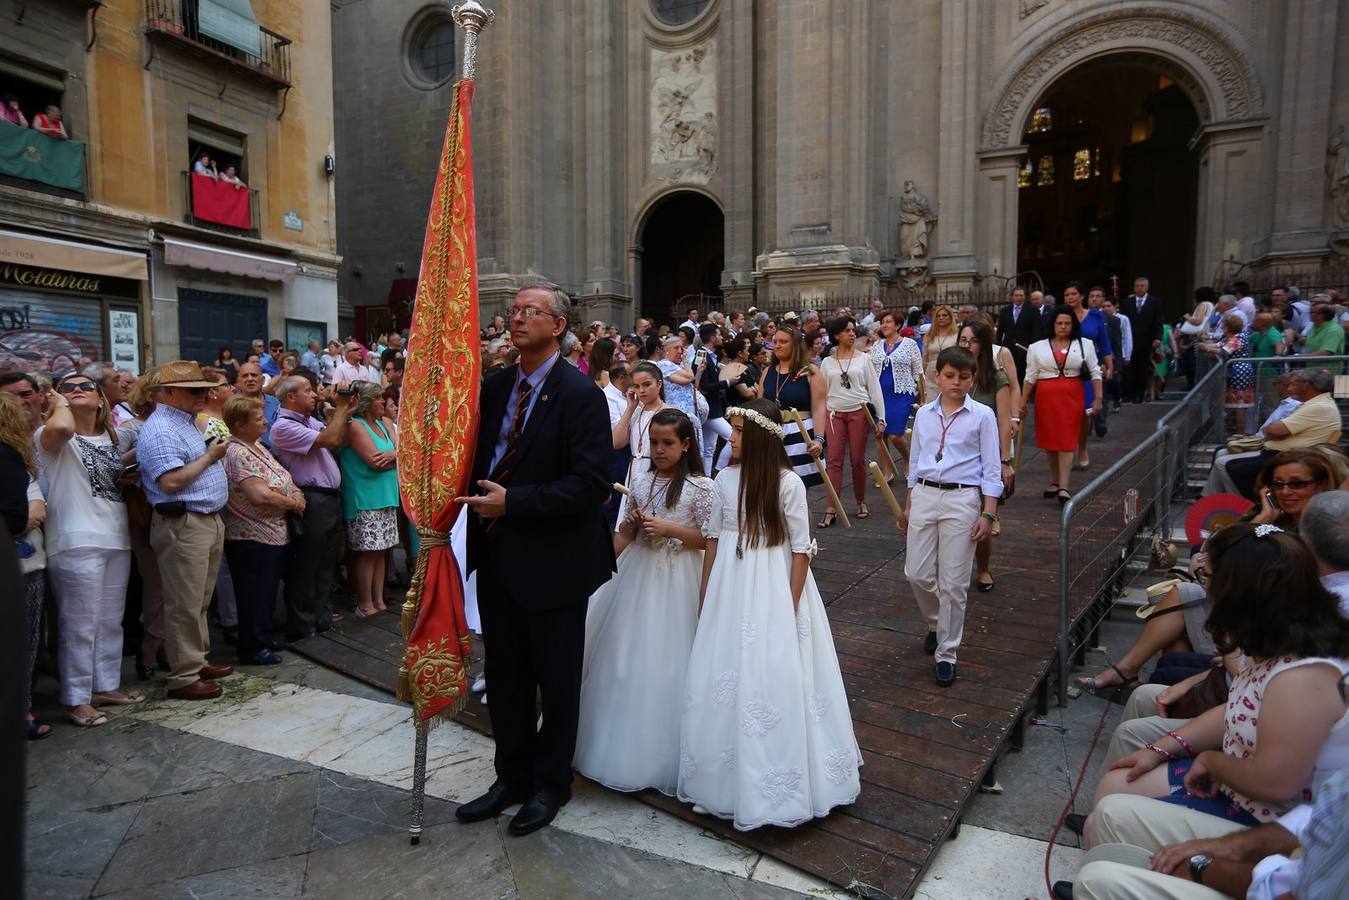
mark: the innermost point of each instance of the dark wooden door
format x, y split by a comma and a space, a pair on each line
208, 320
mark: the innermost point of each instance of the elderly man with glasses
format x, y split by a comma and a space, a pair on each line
186, 485
350, 370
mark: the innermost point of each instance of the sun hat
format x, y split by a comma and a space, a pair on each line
183, 373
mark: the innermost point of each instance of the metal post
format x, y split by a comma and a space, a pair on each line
418, 783
1065, 521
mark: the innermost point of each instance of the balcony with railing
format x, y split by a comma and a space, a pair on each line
220, 205
224, 31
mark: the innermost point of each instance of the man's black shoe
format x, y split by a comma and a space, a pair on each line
1063, 890
1101, 429
930, 643
946, 674
537, 812
1075, 822
491, 804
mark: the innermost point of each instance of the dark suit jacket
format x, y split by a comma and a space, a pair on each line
1147, 325
1116, 332
713, 388
553, 547
1024, 330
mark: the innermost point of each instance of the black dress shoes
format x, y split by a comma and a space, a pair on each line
1063, 890
1075, 822
491, 804
930, 643
538, 811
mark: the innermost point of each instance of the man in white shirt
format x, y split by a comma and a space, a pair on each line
955, 479
350, 370
692, 321
873, 317
329, 362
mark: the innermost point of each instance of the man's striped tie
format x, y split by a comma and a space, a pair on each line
513, 436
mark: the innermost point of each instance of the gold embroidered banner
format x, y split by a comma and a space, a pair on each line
438, 425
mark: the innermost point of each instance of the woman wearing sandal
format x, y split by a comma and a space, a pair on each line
850, 383
1058, 367
88, 547
991, 388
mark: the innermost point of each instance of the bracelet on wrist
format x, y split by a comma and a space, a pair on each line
1189, 748
1165, 754
988, 515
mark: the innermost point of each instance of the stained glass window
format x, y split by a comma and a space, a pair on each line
1082, 165
1023, 175
1041, 120
678, 12
1046, 176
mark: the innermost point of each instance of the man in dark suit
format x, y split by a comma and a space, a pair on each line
714, 390
1096, 300
538, 541
1145, 316
1018, 327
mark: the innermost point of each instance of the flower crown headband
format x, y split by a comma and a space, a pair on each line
757, 418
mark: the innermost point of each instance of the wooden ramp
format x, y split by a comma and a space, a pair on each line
926, 749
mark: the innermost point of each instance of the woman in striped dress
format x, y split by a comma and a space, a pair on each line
792, 382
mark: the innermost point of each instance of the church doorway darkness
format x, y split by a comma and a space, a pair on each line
1109, 185
682, 256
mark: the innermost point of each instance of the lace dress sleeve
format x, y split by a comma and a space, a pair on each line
796, 510
716, 508
705, 509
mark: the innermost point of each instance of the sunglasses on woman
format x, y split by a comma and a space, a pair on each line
70, 387
1295, 484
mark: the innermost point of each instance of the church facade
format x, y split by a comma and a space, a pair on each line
653, 154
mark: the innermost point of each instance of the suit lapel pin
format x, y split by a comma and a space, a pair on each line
544, 398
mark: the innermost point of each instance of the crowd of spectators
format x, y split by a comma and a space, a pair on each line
46, 120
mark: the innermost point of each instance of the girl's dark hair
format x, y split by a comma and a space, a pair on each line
915, 318
650, 368
1267, 599
652, 346
601, 357
1075, 285
839, 325
1062, 310
736, 345
985, 373
223, 350
762, 459
691, 461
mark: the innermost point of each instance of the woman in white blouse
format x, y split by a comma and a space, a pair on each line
850, 381
899, 361
1057, 367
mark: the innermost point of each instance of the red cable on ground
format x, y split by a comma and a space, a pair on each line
1082, 773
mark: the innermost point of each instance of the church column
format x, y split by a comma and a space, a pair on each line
1303, 128
953, 258
605, 293
736, 151
996, 229
1227, 222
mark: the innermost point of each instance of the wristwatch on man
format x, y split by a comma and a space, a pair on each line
1198, 863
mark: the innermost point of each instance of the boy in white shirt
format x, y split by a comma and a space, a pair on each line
956, 476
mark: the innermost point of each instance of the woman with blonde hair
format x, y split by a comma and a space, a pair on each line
369, 496
24, 512
88, 547
945, 331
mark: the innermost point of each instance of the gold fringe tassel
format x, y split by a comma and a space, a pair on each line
428, 539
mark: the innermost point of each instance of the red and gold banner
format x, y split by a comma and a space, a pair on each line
438, 425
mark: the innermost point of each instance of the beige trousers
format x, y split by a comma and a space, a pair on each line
1141, 724
188, 548
939, 558
1120, 872
1151, 824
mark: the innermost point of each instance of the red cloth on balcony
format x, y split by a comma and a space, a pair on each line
221, 202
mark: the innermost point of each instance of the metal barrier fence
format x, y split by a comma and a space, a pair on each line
1110, 523
1105, 526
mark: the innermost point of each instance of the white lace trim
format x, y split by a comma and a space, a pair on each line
759, 718
780, 785
839, 765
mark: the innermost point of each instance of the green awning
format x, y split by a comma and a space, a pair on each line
231, 22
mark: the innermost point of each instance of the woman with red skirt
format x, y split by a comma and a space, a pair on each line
1060, 367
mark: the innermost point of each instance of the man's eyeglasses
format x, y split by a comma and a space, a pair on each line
70, 387
528, 312
1295, 484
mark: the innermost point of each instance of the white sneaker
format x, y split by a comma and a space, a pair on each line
480, 685
483, 701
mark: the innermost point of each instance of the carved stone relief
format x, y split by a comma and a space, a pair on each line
1337, 172
1030, 6
916, 219
684, 130
1137, 29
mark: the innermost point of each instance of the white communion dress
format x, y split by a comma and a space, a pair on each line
639, 628
767, 736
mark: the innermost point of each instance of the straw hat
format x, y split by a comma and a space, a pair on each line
183, 373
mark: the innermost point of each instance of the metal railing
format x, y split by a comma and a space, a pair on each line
176, 19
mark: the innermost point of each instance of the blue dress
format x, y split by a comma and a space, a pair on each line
889, 358
679, 396
1094, 329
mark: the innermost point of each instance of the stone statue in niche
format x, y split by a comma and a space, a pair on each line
916, 219
684, 132
1337, 168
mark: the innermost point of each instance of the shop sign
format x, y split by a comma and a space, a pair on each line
33, 276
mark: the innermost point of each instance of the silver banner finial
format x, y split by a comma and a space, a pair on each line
473, 17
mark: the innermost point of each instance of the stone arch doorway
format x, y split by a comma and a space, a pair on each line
681, 253
1108, 181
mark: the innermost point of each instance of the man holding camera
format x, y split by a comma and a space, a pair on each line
186, 485
302, 443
